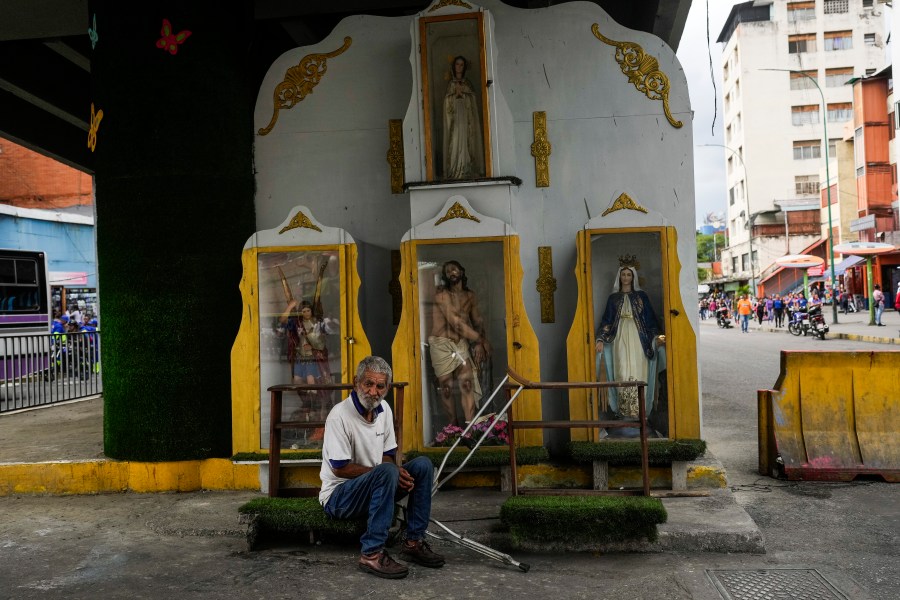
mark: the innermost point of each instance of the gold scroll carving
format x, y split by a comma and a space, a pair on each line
540, 150
624, 201
395, 154
444, 3
642, 71
457, 212
546, 284
300, 220
300, 80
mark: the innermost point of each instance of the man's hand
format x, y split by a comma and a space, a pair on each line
406, 480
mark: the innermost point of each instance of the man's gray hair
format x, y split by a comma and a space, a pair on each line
375, 364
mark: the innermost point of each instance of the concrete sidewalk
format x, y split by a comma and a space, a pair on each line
852, 326
715, 523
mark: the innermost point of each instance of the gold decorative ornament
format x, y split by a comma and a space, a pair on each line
541, 150
444, 3
300, 220
395, 154
624, 201
457, 212
546, 284
300, 80
95, 125
394, 287
642, 71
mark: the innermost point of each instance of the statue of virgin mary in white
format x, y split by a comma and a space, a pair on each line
629, 341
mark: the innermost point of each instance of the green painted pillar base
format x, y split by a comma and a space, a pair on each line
174, 201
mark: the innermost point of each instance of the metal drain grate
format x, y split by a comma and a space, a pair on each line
773, 584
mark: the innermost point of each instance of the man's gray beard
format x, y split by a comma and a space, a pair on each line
369, 402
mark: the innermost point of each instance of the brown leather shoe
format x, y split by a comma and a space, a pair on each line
382, 565
420, 553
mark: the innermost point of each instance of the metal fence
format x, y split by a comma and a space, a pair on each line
43, 369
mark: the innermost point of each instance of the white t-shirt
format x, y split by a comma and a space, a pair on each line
349, 437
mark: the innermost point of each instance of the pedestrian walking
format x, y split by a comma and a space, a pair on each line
744, 309
878, 299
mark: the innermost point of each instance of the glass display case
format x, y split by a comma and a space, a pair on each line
462, 322
299, 335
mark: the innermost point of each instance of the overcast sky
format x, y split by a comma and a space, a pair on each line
693, 52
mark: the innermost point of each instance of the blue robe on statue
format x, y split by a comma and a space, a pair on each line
629, 334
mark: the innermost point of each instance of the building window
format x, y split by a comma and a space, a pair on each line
804, 42
832, 147
731, 196
805, 115
867, 3
838, 40
869, 39
804, 80
807, 149
833, 7
745, 263
801, 11
870, 72
838, 77
840, 112
730, 164
734, 264
805, 185
859, 152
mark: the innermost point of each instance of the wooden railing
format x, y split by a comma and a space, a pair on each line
277, 426
520, 382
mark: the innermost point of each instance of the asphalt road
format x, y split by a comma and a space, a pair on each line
125, 546
853, 528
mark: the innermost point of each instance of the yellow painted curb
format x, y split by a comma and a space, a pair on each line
110, 476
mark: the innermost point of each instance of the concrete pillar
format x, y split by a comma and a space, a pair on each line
174, 202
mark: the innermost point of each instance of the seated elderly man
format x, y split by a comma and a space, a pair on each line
360, 478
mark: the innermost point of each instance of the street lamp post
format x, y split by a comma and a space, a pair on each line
834, 286
749, 218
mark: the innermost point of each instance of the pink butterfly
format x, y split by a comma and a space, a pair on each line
170, 41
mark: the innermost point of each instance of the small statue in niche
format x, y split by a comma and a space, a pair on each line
630, 342
463, 148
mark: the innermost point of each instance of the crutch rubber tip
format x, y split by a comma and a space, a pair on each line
524, 567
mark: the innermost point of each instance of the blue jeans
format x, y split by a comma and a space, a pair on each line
879, 308
375, 493
745, 322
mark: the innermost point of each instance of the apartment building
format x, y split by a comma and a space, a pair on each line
780, 58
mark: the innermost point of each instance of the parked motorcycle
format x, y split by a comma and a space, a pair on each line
809, 322
723, 318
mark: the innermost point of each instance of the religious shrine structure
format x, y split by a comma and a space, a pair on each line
465, 189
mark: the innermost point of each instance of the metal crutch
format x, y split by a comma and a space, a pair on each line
454, 537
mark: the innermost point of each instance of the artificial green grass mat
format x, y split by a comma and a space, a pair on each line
582, 518
491, 456
661, 452
289, 455
295, 515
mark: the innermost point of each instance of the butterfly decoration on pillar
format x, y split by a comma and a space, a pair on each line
169, 40
95, 124
92, 33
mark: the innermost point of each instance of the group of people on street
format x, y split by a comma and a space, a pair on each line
773, 309
73, 322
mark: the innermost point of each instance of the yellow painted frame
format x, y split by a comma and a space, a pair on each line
426, 92
683, 380
245, 385
521, 341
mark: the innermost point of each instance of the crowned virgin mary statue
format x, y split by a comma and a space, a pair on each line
629, 341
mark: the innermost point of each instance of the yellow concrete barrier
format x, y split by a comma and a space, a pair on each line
832, 416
